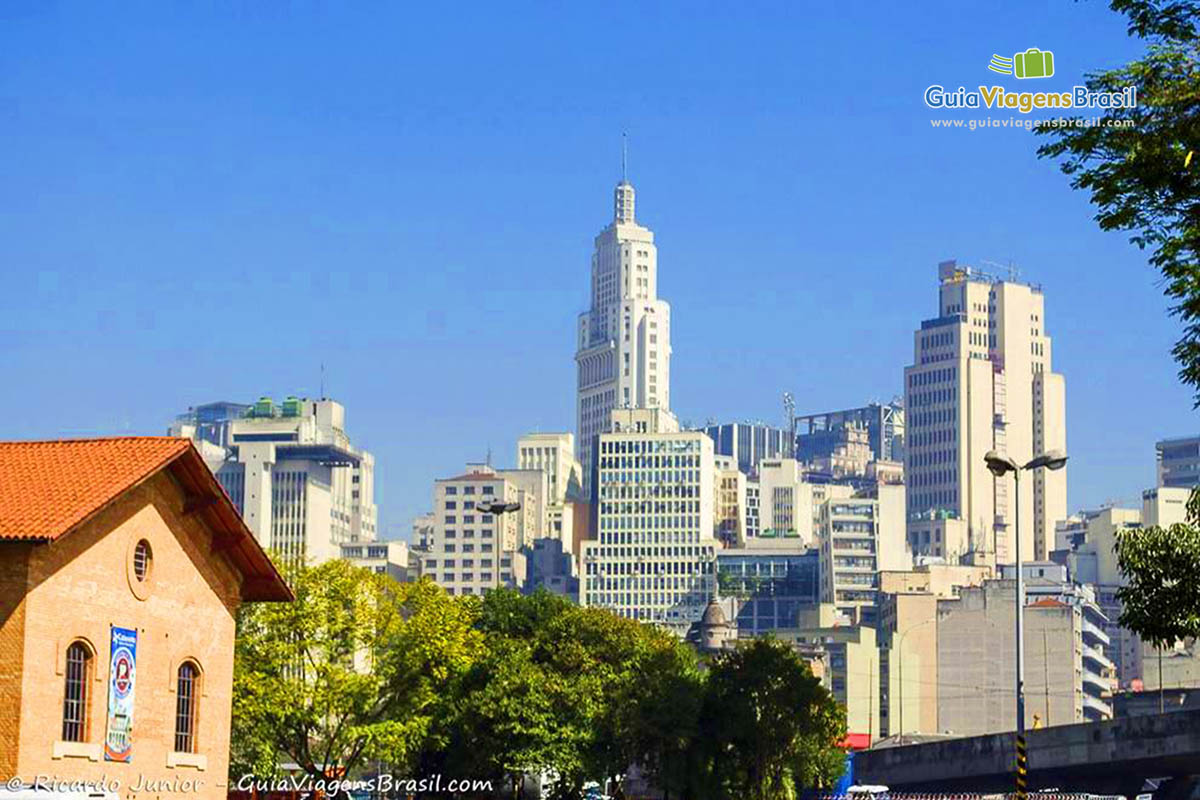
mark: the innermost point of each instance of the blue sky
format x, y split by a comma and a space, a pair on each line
208, 201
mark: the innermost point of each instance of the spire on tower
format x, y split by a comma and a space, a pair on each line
623, 197
624, 157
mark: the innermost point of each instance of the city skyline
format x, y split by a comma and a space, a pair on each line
444, 331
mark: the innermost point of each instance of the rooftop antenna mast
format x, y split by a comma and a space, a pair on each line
789, 419
624, 157
322, 380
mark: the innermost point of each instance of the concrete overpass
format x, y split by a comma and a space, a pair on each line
1110, 757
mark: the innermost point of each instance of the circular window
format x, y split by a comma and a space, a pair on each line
141, 560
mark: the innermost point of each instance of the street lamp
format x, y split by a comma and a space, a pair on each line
998, 465
496, 507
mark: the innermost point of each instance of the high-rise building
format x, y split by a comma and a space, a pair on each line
982, 379
729, 502
1178, 462
860, 537
554, 454
298, 482
624, 345
654, 552
552, 558
818, 436
749, 443
471, 551
211, 422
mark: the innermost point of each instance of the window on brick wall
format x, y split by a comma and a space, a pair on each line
75, 693
187, 696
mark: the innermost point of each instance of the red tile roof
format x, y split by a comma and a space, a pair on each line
49, 488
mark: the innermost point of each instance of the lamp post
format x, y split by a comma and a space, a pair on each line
998, 465
900, 651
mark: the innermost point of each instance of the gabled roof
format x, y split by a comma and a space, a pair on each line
50, 488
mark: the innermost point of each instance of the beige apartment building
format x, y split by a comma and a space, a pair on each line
471, 552
982, 379
858, 537
976, 663
729, 502
908, 641
785, 501
851, 664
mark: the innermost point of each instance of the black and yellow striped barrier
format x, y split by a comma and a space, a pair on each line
1022, 768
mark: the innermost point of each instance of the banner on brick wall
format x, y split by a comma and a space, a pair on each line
122, 673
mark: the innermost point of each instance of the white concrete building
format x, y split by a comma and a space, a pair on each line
471, 552
982, 380
654, 553
554, 454
785, 501
391, 558
300, 485
860, 537
553, 562
624, 345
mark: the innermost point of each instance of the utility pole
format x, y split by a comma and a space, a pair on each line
872, 693
1162, 702
1046, 675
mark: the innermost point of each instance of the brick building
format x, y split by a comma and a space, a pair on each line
122, 563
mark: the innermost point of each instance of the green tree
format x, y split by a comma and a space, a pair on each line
354, 669
509, 719
1134, 162
769, 725
664, 726
1161, 599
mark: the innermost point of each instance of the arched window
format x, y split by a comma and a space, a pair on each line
75, 693
187, 697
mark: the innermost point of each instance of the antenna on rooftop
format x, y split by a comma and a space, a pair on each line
789, 419
322, 395
624, 157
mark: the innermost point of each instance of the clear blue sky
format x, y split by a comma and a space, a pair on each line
206, 201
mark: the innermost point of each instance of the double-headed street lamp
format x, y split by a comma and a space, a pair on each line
999, 465
496, 507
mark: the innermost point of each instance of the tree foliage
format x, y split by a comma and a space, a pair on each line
1133, 163
770, 724
508, 686
1161, 599
354, 669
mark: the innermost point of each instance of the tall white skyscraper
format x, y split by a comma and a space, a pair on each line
302, 488
981, 380
624, 348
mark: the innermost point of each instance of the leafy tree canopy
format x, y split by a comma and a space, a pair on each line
1134, 163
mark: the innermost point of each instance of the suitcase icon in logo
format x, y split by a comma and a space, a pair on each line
1034, 63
